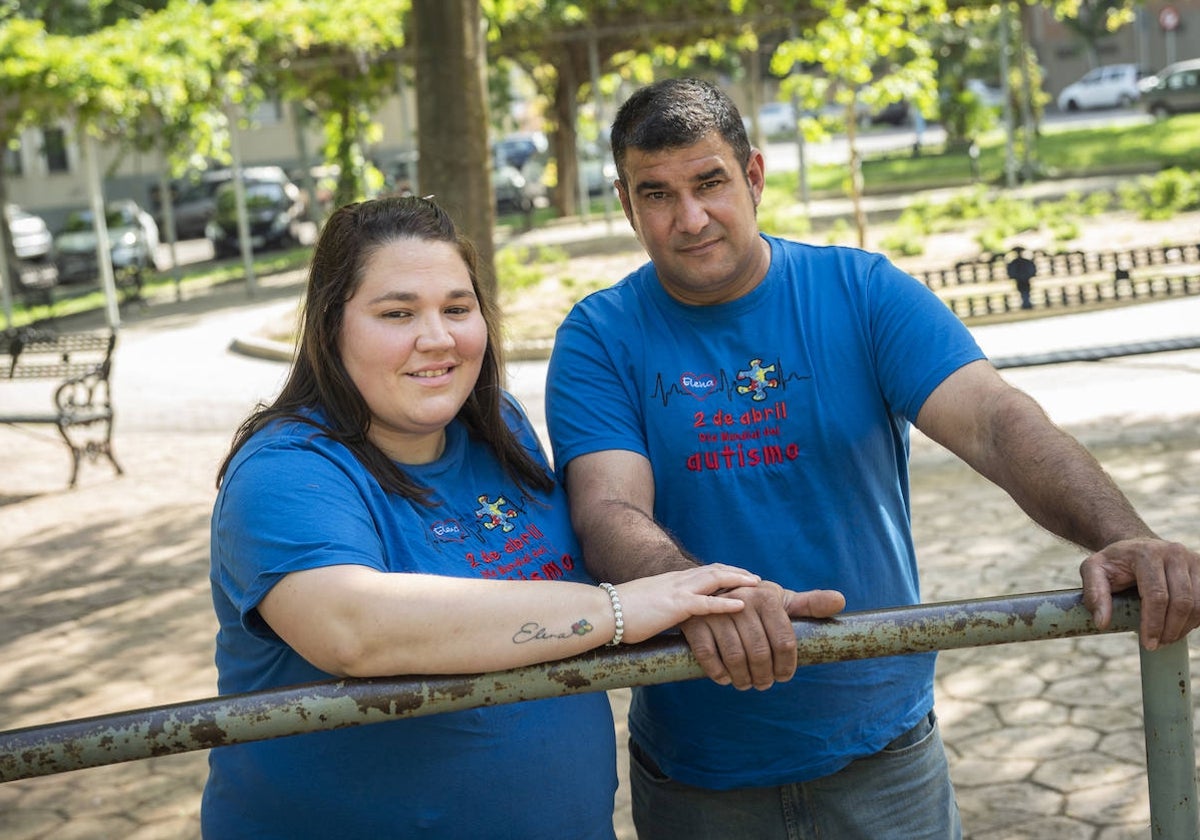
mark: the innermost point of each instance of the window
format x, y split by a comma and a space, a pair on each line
1184, 80
269, 112
54, 146
13, 165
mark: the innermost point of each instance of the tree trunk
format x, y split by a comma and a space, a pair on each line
9, 267
856, 176
566, 111
452, 120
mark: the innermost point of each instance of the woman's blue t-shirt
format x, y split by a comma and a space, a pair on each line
292, 499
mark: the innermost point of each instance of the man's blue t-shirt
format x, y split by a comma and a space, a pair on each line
777, 427
293, 499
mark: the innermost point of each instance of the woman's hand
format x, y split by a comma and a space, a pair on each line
660, 602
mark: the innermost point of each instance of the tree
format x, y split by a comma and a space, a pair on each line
574, 46
452, 118
869, 55
85, 80
81, 18
171, 79
967, 45
22, 47
90, 85
339, 60
1093, 20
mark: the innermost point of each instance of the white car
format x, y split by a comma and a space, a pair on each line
132, 239
777, 119
597, 168
30, 237
987, 95
1109, 86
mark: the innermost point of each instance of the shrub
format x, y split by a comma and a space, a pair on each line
1094, 204
782, 221
1162, 195
1064, 230
905, 240
519, 268
991, 241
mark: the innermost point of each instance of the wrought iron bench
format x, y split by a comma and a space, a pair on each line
81, 406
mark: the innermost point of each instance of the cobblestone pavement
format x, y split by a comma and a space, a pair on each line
104, 601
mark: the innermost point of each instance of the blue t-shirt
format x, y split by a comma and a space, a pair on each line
777, 428
293, 499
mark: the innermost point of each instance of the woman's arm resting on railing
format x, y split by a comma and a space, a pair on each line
351, 620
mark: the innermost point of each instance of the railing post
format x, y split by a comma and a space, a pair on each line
1170, 747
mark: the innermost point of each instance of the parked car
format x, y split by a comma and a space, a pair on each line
775, 119
132, 242
1173, 90
274, 210
323, 180
400, 173
516, 149
894, 113
597, 167
987, 95
1109, 86
195, 197
31, 237
193, 201
514, 192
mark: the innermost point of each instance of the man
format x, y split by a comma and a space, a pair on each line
746, 399
1021, 270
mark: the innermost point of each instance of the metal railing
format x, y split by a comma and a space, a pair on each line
204, 724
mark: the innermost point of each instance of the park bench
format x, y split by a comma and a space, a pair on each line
979, 287
81, 403
991, 268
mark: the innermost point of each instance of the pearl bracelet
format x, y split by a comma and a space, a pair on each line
617, 614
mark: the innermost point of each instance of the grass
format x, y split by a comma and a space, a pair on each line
1146, 147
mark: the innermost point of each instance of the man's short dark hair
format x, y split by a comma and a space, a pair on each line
675, 113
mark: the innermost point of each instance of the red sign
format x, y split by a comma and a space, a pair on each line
1168, 18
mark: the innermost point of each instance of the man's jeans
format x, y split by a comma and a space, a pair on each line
901, 792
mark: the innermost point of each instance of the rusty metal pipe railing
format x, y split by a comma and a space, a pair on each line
1170, 744
203, 724
233, 719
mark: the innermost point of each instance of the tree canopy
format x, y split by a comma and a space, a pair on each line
171, 74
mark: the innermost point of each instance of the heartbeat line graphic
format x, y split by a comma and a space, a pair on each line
702, 386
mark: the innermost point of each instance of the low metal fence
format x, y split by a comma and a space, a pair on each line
221, 721
994, 269
1108, 291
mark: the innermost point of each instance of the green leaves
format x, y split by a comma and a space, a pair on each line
163, 79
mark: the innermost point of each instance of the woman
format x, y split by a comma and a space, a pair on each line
392, 512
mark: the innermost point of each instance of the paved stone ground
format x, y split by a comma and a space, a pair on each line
104, 600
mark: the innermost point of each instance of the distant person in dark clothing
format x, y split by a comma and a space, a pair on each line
1121, 276
1022, 269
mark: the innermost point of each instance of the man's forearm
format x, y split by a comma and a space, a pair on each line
1060, 484
621, 543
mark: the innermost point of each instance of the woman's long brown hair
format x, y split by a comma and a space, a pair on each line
318, 377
